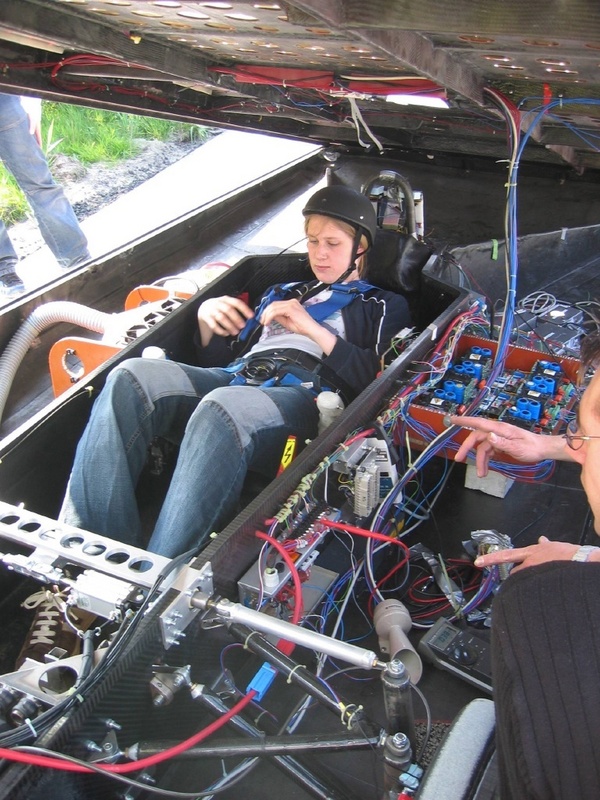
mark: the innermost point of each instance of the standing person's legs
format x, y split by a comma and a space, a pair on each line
12, 114
232, 429
25, 159
142, 399
10, 283
546, 679
8, 255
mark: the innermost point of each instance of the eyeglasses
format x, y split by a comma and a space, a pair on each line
574, 439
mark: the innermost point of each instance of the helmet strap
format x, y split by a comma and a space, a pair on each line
354, 255
344, 275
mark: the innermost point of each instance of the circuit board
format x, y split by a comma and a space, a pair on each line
532, 391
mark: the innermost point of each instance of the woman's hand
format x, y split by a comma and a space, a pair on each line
223, 316
540, 553
490, 438
292, 315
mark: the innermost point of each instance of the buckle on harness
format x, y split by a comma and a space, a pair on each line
272, 370
288, 367
258, 369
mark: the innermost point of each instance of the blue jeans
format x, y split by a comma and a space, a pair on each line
223, 431
24, 158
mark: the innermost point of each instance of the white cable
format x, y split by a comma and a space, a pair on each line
358, 120
538, 303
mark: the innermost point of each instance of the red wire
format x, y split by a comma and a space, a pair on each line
55, 762
386, 578
293, 570
435, 604
381, 537
284, 646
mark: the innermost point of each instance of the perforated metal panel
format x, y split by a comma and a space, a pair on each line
321, 69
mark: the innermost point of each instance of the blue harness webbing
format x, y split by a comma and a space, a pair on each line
341, 295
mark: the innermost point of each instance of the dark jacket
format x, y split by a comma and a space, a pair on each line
370, 320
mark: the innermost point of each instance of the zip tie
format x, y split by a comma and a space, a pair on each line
563, 234
263, 711
298, 666
29, 724
354, 713
247, 639
345, 710
494, 249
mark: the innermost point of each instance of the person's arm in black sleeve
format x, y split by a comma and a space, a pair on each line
371, 323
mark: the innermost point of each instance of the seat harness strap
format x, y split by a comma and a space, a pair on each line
341, 295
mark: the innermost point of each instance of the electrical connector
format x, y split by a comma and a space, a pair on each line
262, 681
411, 778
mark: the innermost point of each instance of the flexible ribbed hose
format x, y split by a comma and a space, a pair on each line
38, 321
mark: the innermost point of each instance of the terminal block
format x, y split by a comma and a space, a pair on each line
370, 468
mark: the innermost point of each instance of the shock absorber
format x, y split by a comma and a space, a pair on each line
398, 700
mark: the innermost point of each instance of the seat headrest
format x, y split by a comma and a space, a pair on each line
395, 261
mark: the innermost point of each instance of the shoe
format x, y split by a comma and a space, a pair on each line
11, 285
50, 632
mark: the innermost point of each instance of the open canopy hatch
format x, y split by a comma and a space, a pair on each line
336, 71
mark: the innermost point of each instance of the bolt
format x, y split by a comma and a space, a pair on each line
400, 740
396, 667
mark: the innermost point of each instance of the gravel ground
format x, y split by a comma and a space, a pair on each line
91, 188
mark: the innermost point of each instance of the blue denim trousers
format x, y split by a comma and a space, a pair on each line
223, 431
24, 158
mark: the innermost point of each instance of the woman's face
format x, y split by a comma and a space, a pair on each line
329, 248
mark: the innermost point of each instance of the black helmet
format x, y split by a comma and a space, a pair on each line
349, 205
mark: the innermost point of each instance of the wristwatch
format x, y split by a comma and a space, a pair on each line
583, 553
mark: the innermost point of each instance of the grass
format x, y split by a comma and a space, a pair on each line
91, 136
